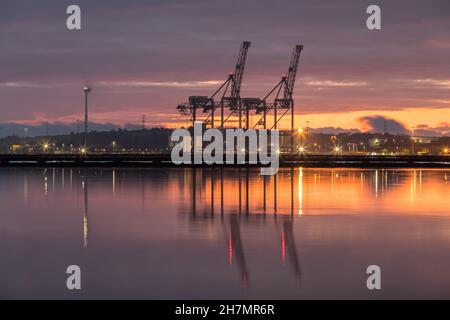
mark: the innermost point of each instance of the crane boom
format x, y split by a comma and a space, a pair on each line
239, 71
292, 72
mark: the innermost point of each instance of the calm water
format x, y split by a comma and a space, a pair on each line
179, 234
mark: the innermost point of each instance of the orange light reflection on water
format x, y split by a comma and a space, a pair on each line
308, 191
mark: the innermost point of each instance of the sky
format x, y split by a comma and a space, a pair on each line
146, 57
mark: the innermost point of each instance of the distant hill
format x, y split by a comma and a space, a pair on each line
156, 138
56, 128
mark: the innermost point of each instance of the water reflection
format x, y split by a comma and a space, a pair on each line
248, 193
237, 215
377, 183
225, 233
85, 211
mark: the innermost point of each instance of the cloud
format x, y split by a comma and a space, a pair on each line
332, 130
168, 84
443, 129
22, 84
153, 53
378, 123
439, 42
332, 83
434, 82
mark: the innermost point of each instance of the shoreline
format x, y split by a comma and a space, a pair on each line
164, 160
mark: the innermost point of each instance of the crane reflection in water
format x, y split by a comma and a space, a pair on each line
239, 213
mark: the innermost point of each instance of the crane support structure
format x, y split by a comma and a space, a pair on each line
229, 92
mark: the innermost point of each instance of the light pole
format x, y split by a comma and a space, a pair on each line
412, 141
307, 134
86, 90
300, 132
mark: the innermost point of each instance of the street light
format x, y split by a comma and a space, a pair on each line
307, 134
86, 90
412, 141
300, 132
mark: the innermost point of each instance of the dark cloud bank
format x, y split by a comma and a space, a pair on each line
378, 123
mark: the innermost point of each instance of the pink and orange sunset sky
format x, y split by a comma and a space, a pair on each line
145, 57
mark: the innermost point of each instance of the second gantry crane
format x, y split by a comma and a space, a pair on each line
283, 99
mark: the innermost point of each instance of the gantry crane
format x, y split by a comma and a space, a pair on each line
230, 97
284, 90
